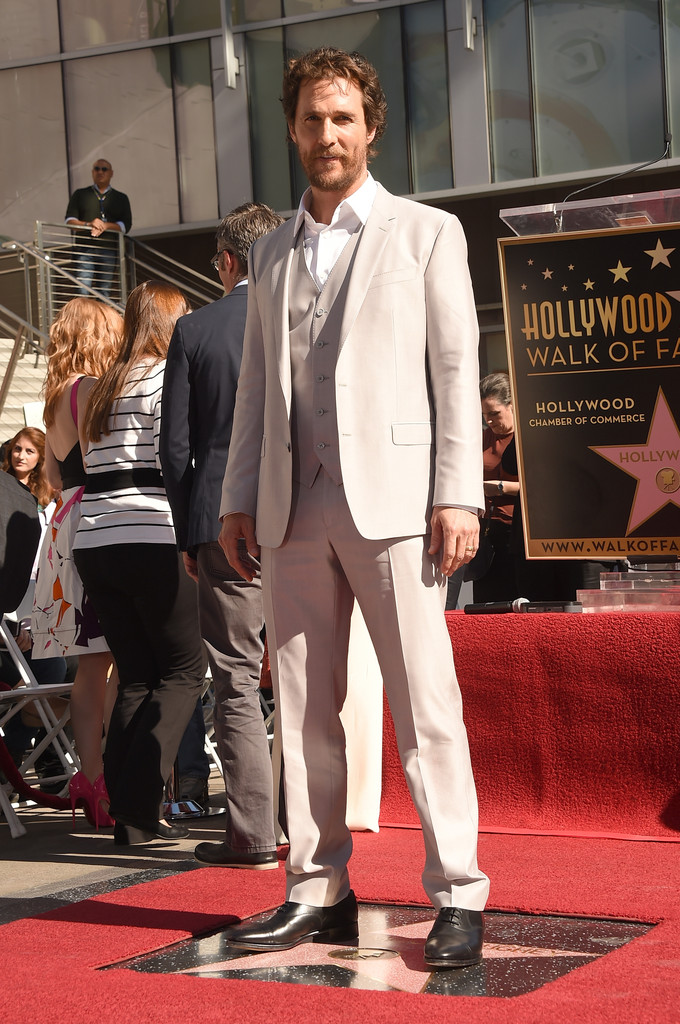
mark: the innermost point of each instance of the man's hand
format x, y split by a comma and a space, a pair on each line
455, 535
235, 527
190, 566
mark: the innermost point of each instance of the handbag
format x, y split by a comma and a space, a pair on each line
481, 563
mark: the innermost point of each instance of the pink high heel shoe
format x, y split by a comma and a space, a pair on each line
89, 796
101, 796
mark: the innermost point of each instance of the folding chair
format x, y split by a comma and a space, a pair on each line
19, 539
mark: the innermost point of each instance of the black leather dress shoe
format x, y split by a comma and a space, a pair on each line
455, 939
294, 923
127, 833
221, 855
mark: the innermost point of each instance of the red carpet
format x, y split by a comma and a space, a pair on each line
574, 723
574, 727
49, 961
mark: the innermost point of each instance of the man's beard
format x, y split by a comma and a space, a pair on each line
336, 180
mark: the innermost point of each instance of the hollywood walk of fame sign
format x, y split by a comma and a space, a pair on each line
593, 331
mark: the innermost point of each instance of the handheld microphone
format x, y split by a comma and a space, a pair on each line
668, 138
496, 607
522, 604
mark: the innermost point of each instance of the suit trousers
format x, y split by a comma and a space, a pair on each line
148, 610
230, 613
309, 584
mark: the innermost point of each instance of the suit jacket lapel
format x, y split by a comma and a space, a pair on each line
374, 238
280, 288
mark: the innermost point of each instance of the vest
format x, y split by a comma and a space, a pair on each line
315, 317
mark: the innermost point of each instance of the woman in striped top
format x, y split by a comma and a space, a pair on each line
126, 554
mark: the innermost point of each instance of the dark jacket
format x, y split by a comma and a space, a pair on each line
197, 411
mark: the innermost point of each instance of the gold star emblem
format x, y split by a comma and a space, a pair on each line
571, 266
530, 263
564, 288
620, 272
524, 287
659, 255
588, 285
547, 274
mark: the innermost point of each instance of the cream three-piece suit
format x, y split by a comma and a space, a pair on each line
357, 411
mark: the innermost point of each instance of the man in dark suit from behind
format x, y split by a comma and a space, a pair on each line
199, 391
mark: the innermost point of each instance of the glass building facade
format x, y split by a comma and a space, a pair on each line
182, 96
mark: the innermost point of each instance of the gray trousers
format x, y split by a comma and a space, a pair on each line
230, 614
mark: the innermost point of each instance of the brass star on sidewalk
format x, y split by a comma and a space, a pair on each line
659, 255
620, 272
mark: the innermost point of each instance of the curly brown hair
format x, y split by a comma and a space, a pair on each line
84, 339
327, 62
37, 481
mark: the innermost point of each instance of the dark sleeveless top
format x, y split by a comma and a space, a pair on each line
72, 469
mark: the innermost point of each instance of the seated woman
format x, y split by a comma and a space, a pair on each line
126, 554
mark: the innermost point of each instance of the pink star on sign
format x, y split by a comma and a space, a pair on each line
655, 465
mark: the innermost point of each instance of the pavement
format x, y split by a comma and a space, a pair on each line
56, 863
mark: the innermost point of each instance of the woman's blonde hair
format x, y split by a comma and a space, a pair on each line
151, 312
84, 339
37, 481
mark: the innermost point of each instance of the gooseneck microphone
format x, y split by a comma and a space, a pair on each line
668, 138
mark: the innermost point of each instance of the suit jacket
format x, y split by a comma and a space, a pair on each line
406, 382
197, 410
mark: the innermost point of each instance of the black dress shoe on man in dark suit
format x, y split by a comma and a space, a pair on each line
455, 939
294, 923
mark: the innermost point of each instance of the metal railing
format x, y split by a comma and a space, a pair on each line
27, 339
63, 262
144, 262
73, 263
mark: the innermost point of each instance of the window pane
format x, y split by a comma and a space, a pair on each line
376, 35
32, 130
508, 85
598, 83
270, 156
120, 107
195, 131
88, 23
194, 15
292, 7
243, 11
428, 97
30, 28
672, 9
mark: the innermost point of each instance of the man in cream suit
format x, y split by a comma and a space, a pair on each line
355, 470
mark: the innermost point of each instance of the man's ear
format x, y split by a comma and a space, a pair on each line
291, 132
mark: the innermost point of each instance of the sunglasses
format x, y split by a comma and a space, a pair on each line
97, 168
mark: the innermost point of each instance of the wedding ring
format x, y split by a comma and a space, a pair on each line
469, 549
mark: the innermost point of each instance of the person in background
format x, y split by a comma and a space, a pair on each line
84, 340
126, 553
199, 392
105, 211
24, 459
500, 491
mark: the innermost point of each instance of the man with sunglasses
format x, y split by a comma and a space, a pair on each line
103, 210
199, 392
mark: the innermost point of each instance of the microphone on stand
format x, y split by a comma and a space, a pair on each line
668, 138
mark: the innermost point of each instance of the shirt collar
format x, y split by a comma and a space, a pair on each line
359, 204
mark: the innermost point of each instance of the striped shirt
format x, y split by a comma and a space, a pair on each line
138, 512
